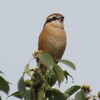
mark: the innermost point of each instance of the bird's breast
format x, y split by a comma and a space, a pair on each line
56, 37
53, 41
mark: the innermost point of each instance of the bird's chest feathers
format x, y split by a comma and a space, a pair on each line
55, 37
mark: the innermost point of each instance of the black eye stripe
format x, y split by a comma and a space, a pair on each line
52, 19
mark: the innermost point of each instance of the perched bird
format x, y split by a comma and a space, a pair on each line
52, 39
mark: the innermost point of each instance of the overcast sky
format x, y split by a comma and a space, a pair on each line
21, 21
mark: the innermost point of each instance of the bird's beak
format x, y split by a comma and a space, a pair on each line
61, 19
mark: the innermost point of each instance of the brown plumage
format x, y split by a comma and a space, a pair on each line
52, 39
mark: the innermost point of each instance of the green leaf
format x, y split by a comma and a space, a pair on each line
41, 94
71, 90
1, 72
4, 85
31, 94
27, 70
0, 98
80, 96
67, 62
66, 74
52, 78
54, 94
16, 94
46, 60
59, 73
22, 88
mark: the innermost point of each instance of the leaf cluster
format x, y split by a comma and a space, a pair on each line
43, 78
39, 85
4, 84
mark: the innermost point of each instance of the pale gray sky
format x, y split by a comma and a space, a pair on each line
21, 21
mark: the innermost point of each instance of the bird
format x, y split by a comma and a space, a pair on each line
53, 39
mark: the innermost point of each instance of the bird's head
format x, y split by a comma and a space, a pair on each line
55, 19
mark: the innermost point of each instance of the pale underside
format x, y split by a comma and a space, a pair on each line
52, 40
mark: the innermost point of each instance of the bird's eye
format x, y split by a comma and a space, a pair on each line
54, 18
51, 19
